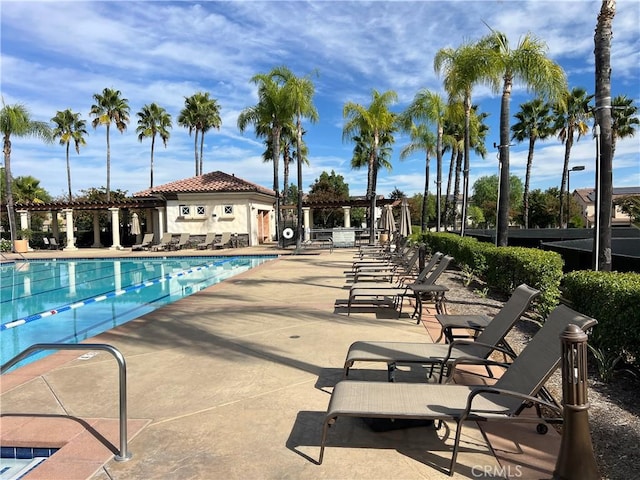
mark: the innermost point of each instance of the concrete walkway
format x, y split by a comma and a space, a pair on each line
233, 383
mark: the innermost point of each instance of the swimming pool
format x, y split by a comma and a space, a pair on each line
68, 301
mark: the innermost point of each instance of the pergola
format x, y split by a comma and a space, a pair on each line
68, 208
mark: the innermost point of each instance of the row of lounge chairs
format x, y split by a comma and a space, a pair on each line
521, 384
168, 242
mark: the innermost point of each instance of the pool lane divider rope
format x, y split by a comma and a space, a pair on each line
113, 294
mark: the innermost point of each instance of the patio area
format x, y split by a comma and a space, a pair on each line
233, 382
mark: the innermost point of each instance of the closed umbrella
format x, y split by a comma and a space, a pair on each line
387, 223
135, 226
405, 219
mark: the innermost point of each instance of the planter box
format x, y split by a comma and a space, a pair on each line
21, 246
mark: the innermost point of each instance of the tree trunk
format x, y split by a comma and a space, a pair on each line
108, 164
602, 51
439, 176
447, 200
568, 144
69, 174
503, 206
456, 188
527, 181
299, 165
195, 149
200, 169
467, 152
371, 191
425, 198
275, 142
153, 143
8, 180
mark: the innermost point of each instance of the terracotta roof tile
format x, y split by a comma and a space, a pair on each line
212, 182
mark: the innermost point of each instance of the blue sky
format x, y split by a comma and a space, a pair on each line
56, 55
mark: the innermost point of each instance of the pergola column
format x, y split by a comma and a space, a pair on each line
70, 246
306, 214
96, 230
347, 216
160, 222
115, 228
148, 226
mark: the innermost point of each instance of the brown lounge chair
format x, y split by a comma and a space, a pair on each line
441, 354
208, 241
145, 244
504, 401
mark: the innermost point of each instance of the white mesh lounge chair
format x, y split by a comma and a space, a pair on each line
165, 242
224, 240
181, 243
440, 354
145, 243
515, 389
383, 280
207, 242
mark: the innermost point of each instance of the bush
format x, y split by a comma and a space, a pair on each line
504, 268
613, 298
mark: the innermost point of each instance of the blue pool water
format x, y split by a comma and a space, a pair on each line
68, 301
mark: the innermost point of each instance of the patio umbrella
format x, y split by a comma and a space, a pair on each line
388, 222
405, 219
135, 226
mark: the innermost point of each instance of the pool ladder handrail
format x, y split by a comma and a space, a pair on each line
124, 454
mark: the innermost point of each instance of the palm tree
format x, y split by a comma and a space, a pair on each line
463, 68
624, 119
603, 114
299, 91
527, 64
271, 113
534, 123
431, 108
423, 140
16, 120
110, 107
153, 120
27, 189
199, 115
69, 127
375, 120
571, 113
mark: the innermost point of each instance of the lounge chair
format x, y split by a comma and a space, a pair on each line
385, 281
419, 291
515, 389
400, 269
53, 244
224, 240
145, 244
181, 243
208, 241
165, 242
424, 353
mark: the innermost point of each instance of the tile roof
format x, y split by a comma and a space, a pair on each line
212, 182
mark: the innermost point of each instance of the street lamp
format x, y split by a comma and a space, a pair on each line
577, 168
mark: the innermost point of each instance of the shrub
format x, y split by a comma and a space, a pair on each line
613, 298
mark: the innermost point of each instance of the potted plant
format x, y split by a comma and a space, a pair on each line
22, 243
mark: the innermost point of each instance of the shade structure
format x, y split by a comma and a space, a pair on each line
135, 225
405, 218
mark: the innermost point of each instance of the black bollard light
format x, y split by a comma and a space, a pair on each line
576, 460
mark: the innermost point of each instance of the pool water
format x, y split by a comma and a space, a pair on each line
68, 301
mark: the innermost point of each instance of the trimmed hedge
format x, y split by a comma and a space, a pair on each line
613, 298
504, 268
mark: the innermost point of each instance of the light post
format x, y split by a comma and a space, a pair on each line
577, 168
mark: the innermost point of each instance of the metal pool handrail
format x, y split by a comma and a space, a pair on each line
124, 454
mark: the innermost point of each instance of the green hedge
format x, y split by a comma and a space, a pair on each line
504, 268
613, 298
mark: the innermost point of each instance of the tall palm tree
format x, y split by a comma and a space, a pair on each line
69, 127
422, 140
272, 111
462, 68
624, 119
16, 120
603, 114
431, 108
534, 123
199, 115
300, 91
110, 107
153, 120
528, 64
571, 113
375, 120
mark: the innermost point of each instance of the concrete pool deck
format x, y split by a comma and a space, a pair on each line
233, 382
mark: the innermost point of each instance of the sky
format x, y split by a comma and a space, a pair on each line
56, 55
